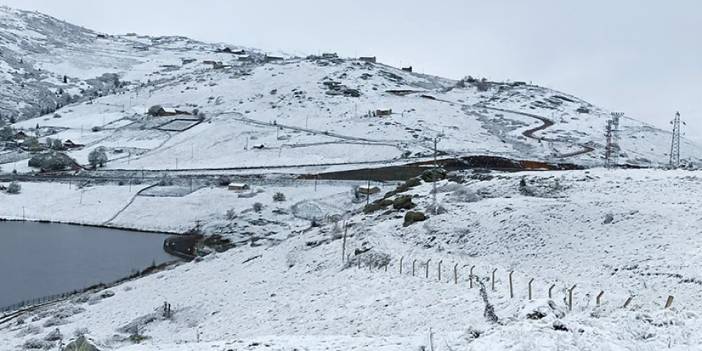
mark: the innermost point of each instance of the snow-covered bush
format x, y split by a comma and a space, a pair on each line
14, 188
231, 214
279, 197
258, 207
97, 157
38, 344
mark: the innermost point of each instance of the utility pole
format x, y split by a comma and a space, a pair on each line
612, 149
433, 175
675, 144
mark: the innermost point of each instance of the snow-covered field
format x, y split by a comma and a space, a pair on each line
611, 231
624, 233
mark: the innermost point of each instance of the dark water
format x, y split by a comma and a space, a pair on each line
41, 259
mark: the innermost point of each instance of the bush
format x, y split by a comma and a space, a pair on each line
14, 188
231, 214
279, 197
51, 161
97, 157
258, 207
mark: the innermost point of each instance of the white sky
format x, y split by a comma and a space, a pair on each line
642, 57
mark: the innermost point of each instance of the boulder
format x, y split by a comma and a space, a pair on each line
81, 344
403, 202
434, 174
412, 217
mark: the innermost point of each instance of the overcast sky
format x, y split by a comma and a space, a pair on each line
642, 57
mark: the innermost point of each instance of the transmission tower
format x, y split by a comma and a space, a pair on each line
675, 145
612, 133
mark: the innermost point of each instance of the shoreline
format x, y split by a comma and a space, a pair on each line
145, 231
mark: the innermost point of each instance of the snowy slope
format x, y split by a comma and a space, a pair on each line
296, 293
319, 106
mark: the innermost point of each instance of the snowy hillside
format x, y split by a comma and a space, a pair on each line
560, 228
296, 111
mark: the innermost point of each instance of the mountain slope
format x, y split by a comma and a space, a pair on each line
311, 110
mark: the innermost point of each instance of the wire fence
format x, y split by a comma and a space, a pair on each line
37, 301
456, 273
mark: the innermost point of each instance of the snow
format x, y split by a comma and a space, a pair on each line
293, 292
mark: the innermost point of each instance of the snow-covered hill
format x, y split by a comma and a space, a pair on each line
298, 111
612, 231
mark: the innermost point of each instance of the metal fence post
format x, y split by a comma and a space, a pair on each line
669, 301
550, 291
628, 301
599, 297
401, 259
455, 273
414, 262
439, 275
470, 277
530, 282
511, 290
426, 269
570, 297
493, 279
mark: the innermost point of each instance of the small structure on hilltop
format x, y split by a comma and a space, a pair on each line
160, 111
383, 112
368, 59
407, 69
20, 135
238, 187
69, 144
269, 58
330, 55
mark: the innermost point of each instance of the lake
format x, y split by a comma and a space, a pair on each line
41, 259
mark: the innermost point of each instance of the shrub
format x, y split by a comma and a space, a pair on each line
279, 197
258, 207
97, 157
14, 188
51, 161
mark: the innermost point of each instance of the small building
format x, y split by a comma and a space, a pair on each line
69, 144
383, 112
330, 55
238, 186
269, 58
160, 111
20, 135
368, 190
367, 59
407, 69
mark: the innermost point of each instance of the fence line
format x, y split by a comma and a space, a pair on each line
471, 276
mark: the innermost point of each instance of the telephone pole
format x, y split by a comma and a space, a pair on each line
675, 144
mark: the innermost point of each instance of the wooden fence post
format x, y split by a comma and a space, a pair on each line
550, 291
455, 273
511, 290
402, 258
426, 269
439, 275
414, 262
493, 279
343, 244
669, 301
386, 266
530, 282
628, 301
470, 276
599, 297
570, 297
